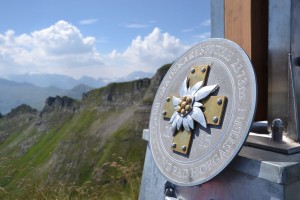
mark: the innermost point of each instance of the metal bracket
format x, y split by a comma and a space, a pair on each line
198, 73
168, 107
289, 144
182, 142
214, 109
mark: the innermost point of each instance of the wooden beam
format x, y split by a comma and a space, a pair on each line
246, 23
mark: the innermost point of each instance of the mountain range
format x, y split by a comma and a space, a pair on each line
78, 149
66, 82
14, 94
33, 88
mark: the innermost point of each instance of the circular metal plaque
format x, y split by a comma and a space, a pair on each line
202, 112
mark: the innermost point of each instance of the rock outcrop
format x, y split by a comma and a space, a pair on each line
21, 110
60, 104
155, 82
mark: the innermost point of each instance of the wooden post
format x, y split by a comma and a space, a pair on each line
246, 23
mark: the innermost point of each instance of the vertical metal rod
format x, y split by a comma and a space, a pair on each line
217, 18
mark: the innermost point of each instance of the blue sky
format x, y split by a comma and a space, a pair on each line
97, 38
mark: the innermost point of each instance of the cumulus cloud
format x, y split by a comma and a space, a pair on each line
62, 49
56, 49
62, 39
149, 52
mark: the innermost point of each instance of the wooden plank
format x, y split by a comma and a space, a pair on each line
246, 23
238, 23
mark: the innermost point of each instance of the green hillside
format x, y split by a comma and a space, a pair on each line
88, 149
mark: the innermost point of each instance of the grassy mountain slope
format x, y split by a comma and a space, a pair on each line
88, 149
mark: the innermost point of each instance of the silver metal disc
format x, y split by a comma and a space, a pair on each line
212, 148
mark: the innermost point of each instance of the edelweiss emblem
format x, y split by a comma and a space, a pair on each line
194, 104
188, 106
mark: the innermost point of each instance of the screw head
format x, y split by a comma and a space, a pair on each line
215, 119
203, 69
174, 145
193, 70
164, 113
169, 192
183, 148
219, 101
168, 99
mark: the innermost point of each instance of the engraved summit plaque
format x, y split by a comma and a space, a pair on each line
202, 112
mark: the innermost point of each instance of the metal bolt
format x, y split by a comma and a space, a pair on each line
183, 148
174, 145
277, 130
168, 99
203, 69
164, 113
193, 70
215, 119
219, 101
170, 192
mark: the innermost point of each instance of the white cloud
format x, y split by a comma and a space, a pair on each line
203, 36
88, 21
206, 23
56, 49
62, 39
148, 53
136, 26
62, 49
